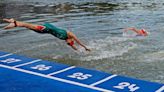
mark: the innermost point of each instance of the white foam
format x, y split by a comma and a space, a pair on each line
109, 47
154, 57
57, 57
129, 34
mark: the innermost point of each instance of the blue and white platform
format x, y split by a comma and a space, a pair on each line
22, 74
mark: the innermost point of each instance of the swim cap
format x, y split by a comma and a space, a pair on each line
144, 32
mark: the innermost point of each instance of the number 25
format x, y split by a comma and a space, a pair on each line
80, 76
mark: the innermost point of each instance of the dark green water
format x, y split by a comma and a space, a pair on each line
99, 24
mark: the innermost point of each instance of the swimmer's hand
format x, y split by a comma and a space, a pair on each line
87, 49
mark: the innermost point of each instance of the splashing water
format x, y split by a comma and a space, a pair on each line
107, 48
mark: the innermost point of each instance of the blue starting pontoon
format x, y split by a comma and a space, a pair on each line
22, 74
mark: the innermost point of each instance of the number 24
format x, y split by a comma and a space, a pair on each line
123, 85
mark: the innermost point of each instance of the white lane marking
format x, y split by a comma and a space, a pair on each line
27, 63
6, 55
160, 90
103, 80
55, 78
63, 70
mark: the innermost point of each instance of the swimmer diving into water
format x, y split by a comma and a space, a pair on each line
68, 36
140, 32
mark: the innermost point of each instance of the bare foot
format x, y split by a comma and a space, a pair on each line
11, 23
9, 20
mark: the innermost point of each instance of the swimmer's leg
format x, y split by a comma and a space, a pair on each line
13, 24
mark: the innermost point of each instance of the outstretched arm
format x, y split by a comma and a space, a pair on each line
74, 47
132, 29
80, 43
